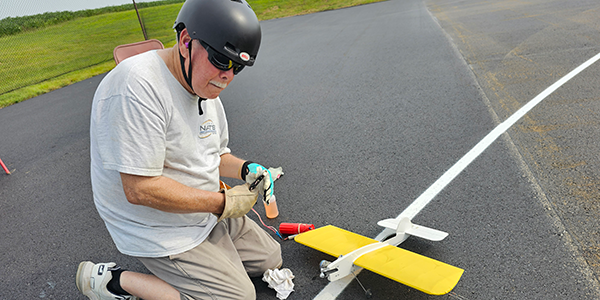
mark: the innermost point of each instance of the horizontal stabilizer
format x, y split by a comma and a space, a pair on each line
405, 226
427, 233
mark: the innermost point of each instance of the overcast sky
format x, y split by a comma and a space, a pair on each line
17, 8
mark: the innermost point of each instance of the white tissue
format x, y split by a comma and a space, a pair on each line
280, 281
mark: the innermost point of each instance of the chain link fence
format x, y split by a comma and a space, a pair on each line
34, 49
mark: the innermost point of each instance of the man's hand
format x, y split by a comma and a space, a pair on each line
251, 172
239, 200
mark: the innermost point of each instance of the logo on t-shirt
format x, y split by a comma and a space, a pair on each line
207, 128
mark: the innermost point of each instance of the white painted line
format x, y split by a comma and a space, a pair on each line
333, 289
411, 211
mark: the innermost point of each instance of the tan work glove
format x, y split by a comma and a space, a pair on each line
239, 200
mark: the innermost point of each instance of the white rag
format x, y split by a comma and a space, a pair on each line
280, 281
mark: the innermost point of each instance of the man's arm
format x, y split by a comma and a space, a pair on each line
168, 195
231, 166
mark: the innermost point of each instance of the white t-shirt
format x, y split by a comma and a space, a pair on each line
144, 122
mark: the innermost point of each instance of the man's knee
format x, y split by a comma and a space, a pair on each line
272, 261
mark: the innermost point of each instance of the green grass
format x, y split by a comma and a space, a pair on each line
14, 25
81, 48
273, 9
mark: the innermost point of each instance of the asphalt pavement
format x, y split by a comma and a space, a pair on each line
364, 108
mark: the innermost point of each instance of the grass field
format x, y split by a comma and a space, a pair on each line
52, 57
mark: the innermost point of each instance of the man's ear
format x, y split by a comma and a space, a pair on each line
183, 43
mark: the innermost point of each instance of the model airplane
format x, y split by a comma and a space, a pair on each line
354, 251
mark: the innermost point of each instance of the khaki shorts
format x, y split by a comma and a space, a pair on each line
220, 267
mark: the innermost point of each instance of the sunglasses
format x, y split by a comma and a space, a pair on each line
221, 61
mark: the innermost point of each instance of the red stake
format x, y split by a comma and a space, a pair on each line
4, 167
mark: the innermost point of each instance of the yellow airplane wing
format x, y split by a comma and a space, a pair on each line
417, 271
409, 268
333, 240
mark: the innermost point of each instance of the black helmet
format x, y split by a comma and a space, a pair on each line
228, 26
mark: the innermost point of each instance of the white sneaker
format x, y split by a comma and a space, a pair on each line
91, 280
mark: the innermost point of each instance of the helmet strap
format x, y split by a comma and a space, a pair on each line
200, 99
188, 78
187, 75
